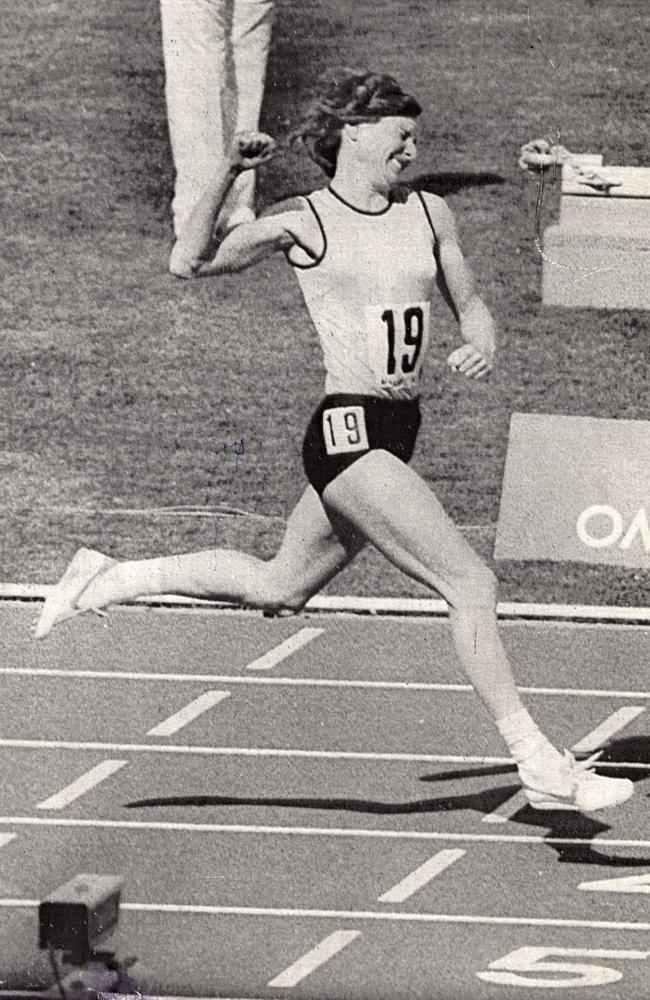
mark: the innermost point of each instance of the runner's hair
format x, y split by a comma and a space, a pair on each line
349, 97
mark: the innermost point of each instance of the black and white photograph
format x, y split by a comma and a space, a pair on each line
325, 495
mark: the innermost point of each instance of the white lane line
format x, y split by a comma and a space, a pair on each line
315, 831
313, 960
608, 728
372, 915
106, 995
203, 751
82, 785
599, 614
188, 714
421, 876
322, 682
627, 884
6, 838
285, 649
592, 741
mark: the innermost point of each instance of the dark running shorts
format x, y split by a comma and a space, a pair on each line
345, 427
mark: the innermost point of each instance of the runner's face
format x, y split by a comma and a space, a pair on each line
387, 147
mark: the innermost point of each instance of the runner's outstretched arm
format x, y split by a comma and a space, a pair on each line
475, 358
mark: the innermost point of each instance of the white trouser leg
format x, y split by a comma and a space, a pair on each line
251, 39
215, 54
195, 49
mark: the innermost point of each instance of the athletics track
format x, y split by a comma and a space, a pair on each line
318, 806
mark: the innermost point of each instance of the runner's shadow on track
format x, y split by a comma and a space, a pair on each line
560, 825
483, 802
572, 825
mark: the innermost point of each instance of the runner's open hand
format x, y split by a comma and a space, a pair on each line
251, 149
469, 361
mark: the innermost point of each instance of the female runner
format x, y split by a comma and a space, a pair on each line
366, 262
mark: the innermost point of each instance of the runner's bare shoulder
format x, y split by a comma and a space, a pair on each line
304, 224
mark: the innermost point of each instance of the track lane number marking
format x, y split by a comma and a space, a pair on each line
507, 971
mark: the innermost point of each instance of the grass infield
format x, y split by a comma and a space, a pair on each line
120, 386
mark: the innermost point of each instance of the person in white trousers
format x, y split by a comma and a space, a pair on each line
215, 54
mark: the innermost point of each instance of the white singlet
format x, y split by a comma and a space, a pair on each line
369, 294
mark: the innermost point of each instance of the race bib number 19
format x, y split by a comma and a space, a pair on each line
344, 430
397, 341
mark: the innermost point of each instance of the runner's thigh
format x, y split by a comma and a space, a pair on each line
396, 511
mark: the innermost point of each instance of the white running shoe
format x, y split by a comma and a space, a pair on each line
62, 600
573, 786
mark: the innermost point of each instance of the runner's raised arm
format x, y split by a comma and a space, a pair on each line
194, 245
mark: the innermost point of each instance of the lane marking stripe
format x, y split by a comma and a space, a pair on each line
608, 728
421, 876
425, 758
588, 744
396, 917
285, 649
325, 682
82, 785
188, 714
6, 838
315, 831
313, 960
627, 884
106, 995
596, 613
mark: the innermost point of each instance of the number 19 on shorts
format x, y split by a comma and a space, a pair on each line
344, 430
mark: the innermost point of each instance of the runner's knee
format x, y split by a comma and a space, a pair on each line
476, 591
274, 591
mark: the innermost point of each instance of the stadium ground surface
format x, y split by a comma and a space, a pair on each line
120, 386
318, 806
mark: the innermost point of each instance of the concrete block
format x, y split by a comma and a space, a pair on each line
624, 215
596, 270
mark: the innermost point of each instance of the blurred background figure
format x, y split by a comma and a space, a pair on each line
215, 54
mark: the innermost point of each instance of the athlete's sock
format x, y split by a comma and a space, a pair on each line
526, 742
220, 574
121, 582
